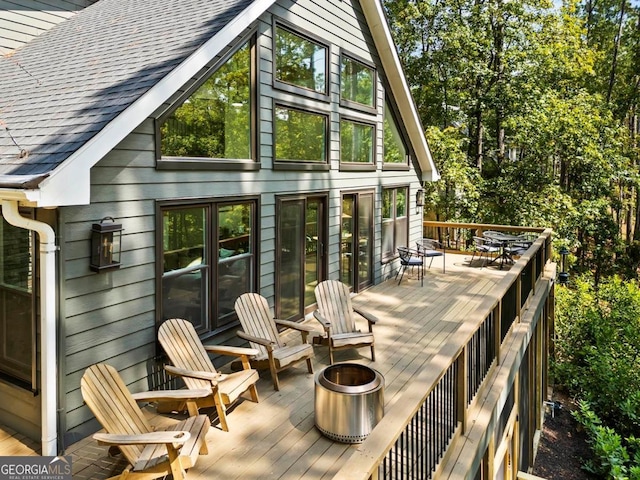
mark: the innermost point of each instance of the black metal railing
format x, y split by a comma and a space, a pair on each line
509, 311
526, 283
420, 447
481, 353
421, 439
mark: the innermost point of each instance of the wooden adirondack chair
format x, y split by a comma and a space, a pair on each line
191, 362
151, 454
261, 331
336, 314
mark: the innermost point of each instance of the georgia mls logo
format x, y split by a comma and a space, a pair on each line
35, 468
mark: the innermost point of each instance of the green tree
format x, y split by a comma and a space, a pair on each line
598, 348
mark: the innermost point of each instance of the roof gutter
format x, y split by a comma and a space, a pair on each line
46, 237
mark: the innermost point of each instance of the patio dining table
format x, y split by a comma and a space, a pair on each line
504, 241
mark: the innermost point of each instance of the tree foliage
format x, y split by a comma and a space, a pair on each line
541, 103
598, 348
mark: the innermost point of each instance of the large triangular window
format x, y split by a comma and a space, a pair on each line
395, 148
215, 121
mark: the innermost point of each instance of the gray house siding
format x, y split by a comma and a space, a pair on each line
22, 20
111, 317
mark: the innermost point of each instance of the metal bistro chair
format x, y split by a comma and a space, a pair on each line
484, 247
430, 248
410, 258
522, 244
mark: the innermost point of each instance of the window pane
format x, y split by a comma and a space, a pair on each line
356, 142
401, 217
16, 300
387, 223
215, 122
357, 82
184, 279
300, 136
235, 257
401, 232
300, 62
234, 230
394, 221
394, 147
401, 202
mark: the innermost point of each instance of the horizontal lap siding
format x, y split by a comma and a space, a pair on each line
110, 317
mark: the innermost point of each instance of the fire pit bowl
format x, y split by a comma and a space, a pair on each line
349, 401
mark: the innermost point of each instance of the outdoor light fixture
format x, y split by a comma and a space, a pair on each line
105, 245
419, 198
563, 276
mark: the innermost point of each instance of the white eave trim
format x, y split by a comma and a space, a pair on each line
55, 191
391, 62
23, 196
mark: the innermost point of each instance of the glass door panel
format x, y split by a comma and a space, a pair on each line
347, 267
356, 240
300, 264
313, 249
290, 233
365, 240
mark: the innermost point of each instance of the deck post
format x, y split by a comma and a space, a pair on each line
462, 386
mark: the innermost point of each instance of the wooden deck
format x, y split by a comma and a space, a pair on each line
13, 443
276, 438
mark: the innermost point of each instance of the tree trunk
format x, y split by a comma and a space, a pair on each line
616, 46
498, 70
589, 6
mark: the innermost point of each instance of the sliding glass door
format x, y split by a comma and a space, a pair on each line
301, 263
356, 237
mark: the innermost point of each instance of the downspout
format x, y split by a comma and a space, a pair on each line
48, 355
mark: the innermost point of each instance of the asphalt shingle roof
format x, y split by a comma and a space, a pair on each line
64, 86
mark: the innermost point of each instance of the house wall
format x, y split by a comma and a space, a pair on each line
22, 20
110, 317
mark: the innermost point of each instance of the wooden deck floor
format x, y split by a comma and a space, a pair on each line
13, 443
276, 438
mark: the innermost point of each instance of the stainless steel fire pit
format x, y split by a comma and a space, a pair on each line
349, 401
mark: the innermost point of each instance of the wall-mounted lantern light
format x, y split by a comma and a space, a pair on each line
419, 199
105, 245
563, 276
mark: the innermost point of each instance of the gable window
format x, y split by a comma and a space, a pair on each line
300, 136
356, 143
301, 63
357, 84
215, 121
395, 225
207, 260
395, 149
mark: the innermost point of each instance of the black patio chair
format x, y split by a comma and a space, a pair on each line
430, 248
410, 258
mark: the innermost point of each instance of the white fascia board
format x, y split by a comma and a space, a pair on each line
377, 22
23, 196
69, 184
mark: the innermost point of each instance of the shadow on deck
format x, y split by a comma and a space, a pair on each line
277, 438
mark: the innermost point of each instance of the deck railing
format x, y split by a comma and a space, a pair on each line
424, 440
414, 437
